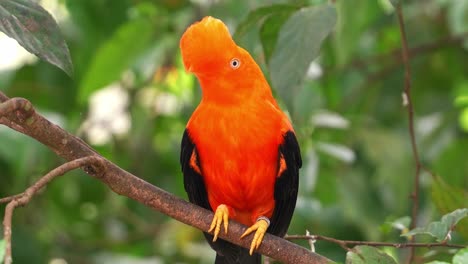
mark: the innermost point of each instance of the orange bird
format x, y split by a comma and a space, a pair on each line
239, 154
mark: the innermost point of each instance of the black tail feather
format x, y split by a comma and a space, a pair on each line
228, 253
244, 259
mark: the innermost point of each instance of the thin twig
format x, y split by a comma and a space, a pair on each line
10, 198
409, 106
371, 243
311, 242
389, 62
395, 54
24, 198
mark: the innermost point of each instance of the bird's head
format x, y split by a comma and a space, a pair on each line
207, 47
223, 68
226, 71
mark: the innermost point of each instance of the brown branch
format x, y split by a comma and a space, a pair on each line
3, 97
24, 198
122, 182
407, 98
344, 243
10, 198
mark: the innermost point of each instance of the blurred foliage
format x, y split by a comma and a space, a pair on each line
441, 230
460, 257
367, 254
130, 98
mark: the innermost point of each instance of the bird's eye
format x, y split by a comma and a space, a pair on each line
234, 63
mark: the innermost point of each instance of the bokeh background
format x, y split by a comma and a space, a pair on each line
130, 98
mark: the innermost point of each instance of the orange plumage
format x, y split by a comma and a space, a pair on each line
231, 151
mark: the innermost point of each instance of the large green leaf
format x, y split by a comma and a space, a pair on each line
258, 14
367, 254
457, 18
461, 257
36, 30
441, 229
451, 164
270, 30
350, 28
116, 55
298, 44
448, 198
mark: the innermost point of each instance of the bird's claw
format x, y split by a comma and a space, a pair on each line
260, 228
221, 217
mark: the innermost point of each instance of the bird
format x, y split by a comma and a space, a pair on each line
240, 157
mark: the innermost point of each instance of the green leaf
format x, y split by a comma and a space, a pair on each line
448, 198
441, 229
258, 14
298, 44
350, 28
461, 100
2, 250
270, 30
395, 2
437, 262
457, 18
116, 55
452, 164
463, 119
461, 93
36, 30
367, 254
461, 257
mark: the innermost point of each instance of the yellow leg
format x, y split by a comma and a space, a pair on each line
221, 217
260, 228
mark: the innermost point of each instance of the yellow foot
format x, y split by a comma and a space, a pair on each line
221, 217
261, 226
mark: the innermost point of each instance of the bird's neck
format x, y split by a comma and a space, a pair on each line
236, 94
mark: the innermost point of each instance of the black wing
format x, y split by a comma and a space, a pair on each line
193, 181
286, 185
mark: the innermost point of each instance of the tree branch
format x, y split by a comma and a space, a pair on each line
10, 198
344, 243
21, 114
25, 197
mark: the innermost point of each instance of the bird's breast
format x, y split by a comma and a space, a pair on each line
238, 154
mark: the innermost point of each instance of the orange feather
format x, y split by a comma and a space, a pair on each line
237, 126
